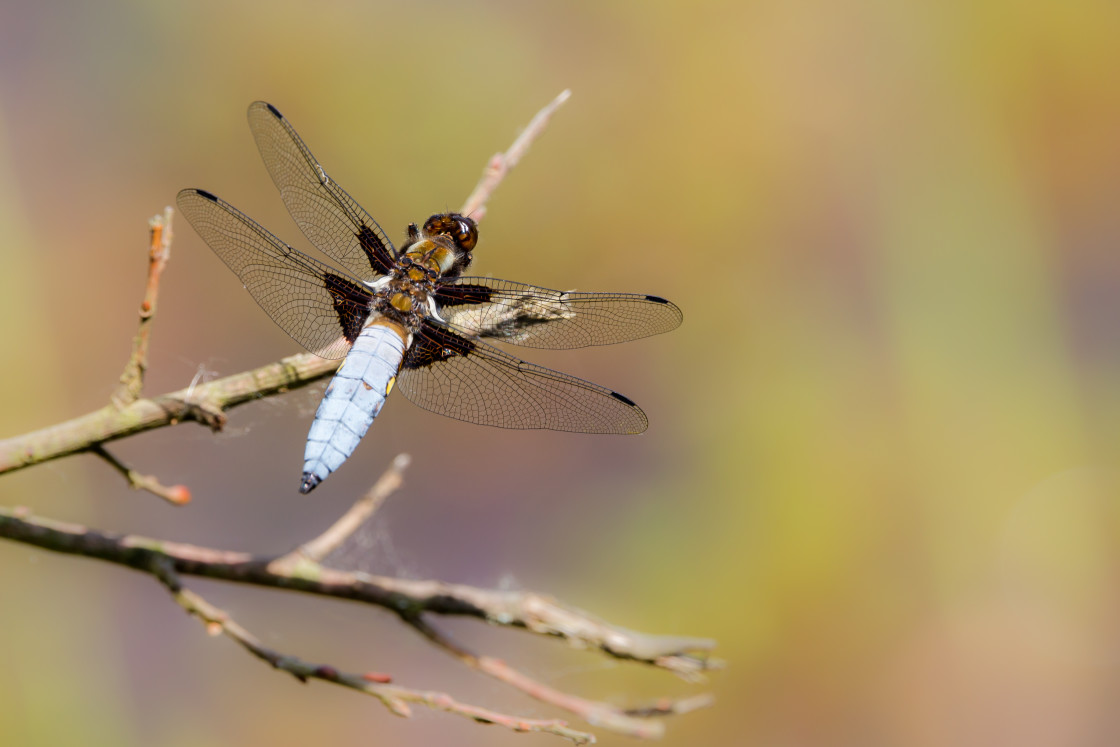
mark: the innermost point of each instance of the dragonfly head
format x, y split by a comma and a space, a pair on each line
460, 229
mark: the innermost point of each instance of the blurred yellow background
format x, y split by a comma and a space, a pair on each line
882, 461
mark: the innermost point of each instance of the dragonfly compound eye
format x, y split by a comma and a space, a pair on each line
466, 233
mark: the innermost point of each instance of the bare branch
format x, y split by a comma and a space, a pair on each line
204, 403
410, 599
520, 609
394, 697
501, 163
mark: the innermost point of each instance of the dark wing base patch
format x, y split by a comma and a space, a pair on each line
380, 258
351, 303
463, 294
431, 348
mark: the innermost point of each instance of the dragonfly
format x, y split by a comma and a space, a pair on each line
409, 318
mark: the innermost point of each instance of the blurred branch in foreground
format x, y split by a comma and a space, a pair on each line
302, 569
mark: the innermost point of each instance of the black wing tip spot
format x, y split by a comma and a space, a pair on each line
309, 483
208, 195
657, 299
275, 112
624, 399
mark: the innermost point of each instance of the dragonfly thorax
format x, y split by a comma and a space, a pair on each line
427, 257
406, 300
402, 302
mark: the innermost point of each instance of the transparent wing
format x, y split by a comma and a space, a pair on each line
473, 381
541, 318
330, 218
320, 308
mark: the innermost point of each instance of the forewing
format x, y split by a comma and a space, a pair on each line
473, 381
321, 309
542, 318
330, 218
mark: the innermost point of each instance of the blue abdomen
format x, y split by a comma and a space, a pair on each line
352, 400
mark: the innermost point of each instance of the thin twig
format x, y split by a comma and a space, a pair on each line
394, 697
501, 163
132, 379
176, 494
668, 707
631, 722
329, 541
159, 251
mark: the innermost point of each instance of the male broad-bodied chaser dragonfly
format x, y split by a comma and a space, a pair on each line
410, 316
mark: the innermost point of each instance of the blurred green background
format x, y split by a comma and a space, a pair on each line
881, 465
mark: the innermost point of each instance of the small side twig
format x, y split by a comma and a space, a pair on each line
176, 494
159, 251
314, 551
501, 163
668, 707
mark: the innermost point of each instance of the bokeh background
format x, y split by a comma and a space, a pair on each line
882, 461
